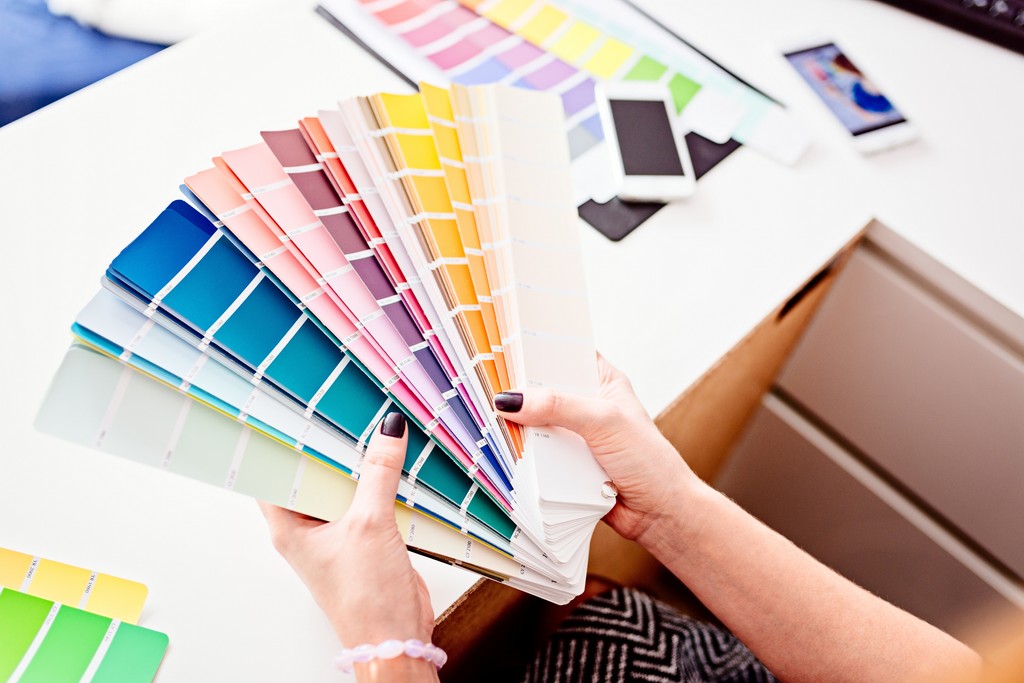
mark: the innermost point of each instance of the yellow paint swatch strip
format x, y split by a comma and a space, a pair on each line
474, 122
542, 24
424, 182
572, 45
429, 195
102, 594
609, 58
576, 41
507, 11
438, 105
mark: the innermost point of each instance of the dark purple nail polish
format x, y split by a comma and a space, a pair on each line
509, 401
393, 425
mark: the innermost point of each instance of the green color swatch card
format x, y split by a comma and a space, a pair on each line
47, 642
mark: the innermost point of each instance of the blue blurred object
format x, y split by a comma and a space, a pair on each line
44, 57
874, 102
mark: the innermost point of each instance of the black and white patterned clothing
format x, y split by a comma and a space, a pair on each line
625, 635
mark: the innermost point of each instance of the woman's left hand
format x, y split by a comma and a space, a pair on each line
357, 568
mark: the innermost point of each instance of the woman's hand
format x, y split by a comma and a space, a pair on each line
801, 619
649, 474
357, 568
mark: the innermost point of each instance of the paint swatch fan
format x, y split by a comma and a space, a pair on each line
403, 252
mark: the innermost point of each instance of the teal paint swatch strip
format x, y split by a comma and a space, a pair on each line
110, 324
253, 327
102, 403
46, 642
182, 265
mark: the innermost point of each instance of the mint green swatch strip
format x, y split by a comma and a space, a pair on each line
69, 646
135, 654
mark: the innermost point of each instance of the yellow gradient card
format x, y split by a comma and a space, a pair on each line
102, 594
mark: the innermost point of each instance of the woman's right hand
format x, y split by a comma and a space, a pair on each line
651, 478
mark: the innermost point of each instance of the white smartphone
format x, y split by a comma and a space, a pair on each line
868, 116
649, 156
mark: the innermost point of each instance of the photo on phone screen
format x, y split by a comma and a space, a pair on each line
844, 88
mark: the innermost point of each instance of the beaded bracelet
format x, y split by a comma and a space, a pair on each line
389, 649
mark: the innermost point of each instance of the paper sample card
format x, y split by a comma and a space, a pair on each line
48, 642
102, 594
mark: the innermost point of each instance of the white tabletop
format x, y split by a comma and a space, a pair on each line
668, 301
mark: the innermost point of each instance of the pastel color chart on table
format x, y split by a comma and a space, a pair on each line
564, 47
307, 367
723, 105
549, 48
588, 39
102, 594
48, 642
472, 50
599, 53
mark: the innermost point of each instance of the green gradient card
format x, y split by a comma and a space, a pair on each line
47, 642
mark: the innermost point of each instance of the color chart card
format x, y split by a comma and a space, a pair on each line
47, 642
110, 324
120, 411
412, 252
101, 594
518, 178
229, 311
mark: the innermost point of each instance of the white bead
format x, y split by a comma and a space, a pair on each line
390, 649
414, 648
363, 653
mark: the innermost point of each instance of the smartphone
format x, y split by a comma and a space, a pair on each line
870, 117
649, 156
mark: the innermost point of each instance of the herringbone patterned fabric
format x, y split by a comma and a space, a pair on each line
624, 636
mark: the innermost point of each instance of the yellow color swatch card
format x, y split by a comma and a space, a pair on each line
102, 594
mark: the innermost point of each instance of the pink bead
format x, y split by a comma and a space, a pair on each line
390, 649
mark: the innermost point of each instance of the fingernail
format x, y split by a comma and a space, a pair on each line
509, 401
393, 425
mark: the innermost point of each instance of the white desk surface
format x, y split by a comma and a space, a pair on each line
684, 288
